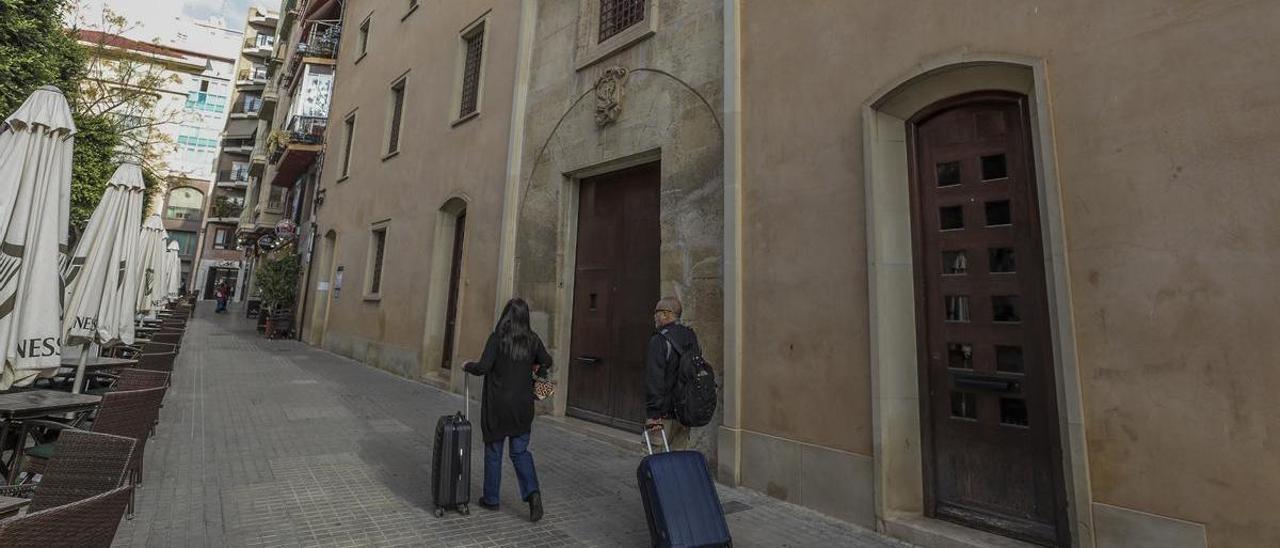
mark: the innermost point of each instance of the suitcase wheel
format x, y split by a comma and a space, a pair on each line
439, 512
464, 509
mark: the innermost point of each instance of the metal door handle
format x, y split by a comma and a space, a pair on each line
589, 360
986, 382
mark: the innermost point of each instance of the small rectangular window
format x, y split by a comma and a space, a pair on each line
397, 109
473, 50
348, 134
220, 239
619, 15
364, 36
379, 244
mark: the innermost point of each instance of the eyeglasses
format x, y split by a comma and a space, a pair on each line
661, 310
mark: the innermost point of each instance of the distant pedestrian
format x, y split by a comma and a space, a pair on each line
512, 356
669, 342
222, 293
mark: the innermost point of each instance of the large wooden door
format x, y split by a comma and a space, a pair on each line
992, 457
615, 288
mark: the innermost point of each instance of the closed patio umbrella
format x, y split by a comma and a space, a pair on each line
101, 278
35, 209
173, 271
151, 249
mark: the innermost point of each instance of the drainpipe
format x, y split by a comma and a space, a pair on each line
730, 453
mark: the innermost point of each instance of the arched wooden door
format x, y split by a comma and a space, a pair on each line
992, 455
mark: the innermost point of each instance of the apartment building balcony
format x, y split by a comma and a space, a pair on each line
226, 210
293, 149
252, 77
260, 46
242, 145
263, 19
318, 46
233, 178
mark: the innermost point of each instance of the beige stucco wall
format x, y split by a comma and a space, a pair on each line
437, 161
1162, 118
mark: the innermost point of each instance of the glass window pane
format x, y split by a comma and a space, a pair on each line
954, 262
951, 217
1009, 359
1013, 412
957, 308
964, 405
1001, 260
948, 173
1004, 308
960, 355
994, 167
999, 213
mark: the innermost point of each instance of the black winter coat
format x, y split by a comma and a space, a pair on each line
506, 408
662, 365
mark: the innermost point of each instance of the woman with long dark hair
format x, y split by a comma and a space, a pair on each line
512, 355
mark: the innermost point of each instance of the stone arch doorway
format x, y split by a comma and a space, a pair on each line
904, 453
657, 135
444, 298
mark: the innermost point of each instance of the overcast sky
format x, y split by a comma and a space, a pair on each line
155, 17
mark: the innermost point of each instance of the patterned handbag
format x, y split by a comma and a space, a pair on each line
543, 388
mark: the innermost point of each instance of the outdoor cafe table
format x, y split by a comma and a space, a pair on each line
98, 362
31, 404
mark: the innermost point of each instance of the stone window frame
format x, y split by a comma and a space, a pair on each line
590, 50
479, 24
348, 141
372, 257
402, 84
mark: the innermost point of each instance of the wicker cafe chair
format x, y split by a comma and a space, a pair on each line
168, 337
162, 362
88, 523
129, 414
83, 464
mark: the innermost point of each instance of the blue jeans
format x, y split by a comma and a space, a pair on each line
521, 459
222, 305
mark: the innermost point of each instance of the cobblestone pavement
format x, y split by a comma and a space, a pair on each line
274, 443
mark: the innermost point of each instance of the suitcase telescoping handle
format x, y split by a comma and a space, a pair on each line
649, 443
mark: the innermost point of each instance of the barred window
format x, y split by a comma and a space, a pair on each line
397, 110
474, 42
619, 15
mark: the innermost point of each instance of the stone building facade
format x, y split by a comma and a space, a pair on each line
972, 274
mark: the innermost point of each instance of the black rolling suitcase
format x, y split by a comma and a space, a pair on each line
680, 500
451, 460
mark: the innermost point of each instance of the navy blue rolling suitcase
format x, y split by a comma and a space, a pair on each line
680, 499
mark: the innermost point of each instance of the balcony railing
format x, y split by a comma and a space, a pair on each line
303, 130
255, 75
233, 176
237, 143
321, 40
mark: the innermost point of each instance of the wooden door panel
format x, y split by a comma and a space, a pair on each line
615, 286
990, 414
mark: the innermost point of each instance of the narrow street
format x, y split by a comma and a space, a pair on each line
275, 443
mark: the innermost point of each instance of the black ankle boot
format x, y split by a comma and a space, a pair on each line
535, 506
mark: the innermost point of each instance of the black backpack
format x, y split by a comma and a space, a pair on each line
695, 391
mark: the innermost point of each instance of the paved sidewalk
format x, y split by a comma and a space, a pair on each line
274, 443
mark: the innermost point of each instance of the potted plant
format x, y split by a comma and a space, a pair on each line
278, 285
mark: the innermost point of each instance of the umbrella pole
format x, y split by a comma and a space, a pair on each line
84, 360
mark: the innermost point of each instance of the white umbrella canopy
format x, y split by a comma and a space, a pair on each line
173, 271
101, 277
151, 249
35, 209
